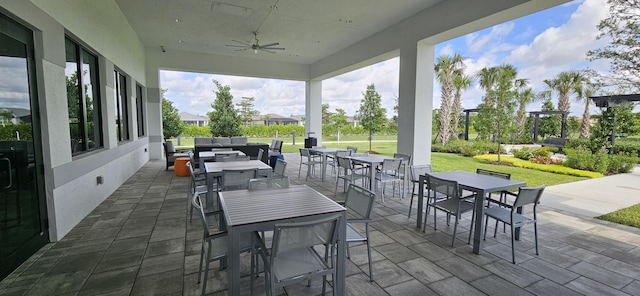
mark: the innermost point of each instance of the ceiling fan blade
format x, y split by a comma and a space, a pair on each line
267, 50
272, 48
233, 45
272, 44
243, 43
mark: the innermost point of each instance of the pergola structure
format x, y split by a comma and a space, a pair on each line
612, 101
536, 114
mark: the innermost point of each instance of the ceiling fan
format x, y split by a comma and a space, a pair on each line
256, 45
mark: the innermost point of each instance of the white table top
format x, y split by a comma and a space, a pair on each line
217, 167
370, 158
213, 153
323, 150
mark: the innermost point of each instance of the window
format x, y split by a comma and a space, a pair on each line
83, 100
140, 109
122, 107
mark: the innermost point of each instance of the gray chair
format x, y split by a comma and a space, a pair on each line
511, 214
454, 205
406, 163
417, 171
332, 160
307, 159
260, 153
359, 203
170, 154
214, 240
347, 173
353, 149
389, 173
195, 185
279, 169
268, 183
294, 255
237, 179
234, 157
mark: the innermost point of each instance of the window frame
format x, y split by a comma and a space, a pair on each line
84, 145
123, 108
140, 110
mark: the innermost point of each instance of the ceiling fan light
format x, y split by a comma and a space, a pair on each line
255, 51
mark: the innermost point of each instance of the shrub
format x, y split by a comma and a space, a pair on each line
619, 164
584, 159
525, 153
629, 147
545, 160
551, 168
542, 151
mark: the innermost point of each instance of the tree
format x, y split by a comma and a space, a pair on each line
622, 29
487, 78
584, 92
503, 113
549, 125
339, 118
446, 68
371, 115
224, 120
326, 114
524, 96
564, 84
172, 125
461, 83
246, 111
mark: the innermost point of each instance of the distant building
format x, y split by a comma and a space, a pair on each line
299, 118
191, 119
269, 119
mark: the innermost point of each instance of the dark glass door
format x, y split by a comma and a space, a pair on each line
22, 209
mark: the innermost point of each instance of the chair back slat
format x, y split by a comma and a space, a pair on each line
343, 153
439, 185
391, 165
359, 201
237, 179
528, 195
353, 149
420, 170
493, 173
292, 236
268, 183
280, 168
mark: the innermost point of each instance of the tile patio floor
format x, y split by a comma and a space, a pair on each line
139, 242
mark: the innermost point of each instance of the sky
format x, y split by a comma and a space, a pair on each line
540, 45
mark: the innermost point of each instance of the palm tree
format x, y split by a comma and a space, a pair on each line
584, 92
524, 96
564, 83
487, 78
446, 68
461, 83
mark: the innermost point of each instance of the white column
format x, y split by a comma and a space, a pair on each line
415, 103
313, 108
154, 114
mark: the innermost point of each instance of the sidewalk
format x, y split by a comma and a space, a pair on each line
595, 197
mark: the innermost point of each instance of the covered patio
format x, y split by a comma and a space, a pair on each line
139, 241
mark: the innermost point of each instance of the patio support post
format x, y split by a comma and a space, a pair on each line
313, 109
154, 113
415, 101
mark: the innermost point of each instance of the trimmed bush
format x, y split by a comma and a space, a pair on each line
525, 153
551, 168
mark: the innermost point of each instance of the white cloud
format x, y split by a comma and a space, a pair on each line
476, 42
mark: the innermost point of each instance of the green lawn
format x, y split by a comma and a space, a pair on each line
629, 216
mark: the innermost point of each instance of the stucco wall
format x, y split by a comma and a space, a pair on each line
70, 181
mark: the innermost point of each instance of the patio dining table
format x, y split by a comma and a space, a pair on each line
478, 183
247, 211
372, 161
324, 152
211, 155
214, 169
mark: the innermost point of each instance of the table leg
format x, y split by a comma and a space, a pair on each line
324, 166
422, 180
342, 253
479, 228
209, 190
233, 261
373, 185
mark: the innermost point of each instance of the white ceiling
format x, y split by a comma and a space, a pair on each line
322, 38
309, 30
